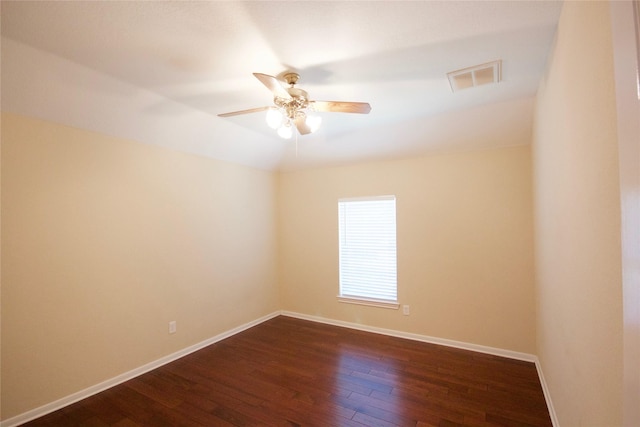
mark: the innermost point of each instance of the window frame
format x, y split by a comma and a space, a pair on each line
361, 299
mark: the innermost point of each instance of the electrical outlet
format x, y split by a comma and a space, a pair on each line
405, 310
172, 327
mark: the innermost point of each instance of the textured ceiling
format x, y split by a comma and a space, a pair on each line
160, 72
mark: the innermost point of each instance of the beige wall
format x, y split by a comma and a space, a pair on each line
464, 233
577, 211
628, 115
105, 241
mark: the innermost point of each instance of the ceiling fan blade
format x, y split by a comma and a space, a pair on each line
236, 113
273, 85
302, 126
341, 107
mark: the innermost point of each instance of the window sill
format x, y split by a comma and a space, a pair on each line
394, 305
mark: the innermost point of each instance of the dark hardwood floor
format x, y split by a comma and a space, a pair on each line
291, 372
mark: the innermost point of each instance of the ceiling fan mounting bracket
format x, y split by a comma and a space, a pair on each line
291, 78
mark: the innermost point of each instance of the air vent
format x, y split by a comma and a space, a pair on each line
478, 75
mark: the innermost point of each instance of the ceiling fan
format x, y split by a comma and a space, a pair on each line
293, 108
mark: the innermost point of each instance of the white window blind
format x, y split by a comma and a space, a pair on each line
367, 235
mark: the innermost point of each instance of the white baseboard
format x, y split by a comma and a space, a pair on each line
441, 341
547, 395
417, 337
83, 394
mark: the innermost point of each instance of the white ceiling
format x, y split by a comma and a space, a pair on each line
160, 72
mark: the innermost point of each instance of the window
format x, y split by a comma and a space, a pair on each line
367, 243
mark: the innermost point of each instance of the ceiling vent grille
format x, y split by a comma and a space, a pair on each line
478, 75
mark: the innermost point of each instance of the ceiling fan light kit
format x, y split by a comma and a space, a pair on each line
293, 110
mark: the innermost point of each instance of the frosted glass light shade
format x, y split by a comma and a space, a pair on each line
274, 118
285, 131
313, 122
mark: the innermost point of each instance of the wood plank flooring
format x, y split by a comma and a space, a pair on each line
292, 372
